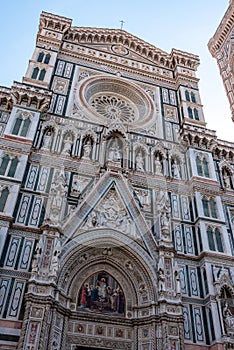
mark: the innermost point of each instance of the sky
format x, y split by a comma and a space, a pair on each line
183, 25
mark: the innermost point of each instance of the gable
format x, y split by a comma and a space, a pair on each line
110, 205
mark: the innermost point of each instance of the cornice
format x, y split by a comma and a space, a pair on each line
96, 36
54, 22
31, 96
222, 31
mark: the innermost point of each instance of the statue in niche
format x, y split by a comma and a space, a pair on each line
78, 184
114, 154
58, 193
226, 179
67, 145
87, 147
228, 319
165, 221
158, 166
47, 138
177, 279
143, 197
175, 169
164, 202
161, 280
102, 293
140, 163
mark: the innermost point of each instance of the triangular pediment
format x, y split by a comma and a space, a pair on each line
110, 205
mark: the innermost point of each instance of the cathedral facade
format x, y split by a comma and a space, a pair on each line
221, 47
116, 201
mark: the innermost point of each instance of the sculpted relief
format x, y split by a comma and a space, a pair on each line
111, 213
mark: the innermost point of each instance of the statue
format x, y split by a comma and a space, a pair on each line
165, 221
158, 166
67, 146
226, 179
139, 161
115, 154
164, 202
47, 140
161, 280
175, 169
55, 259
177, 282
58, 193
228, 318
87, 147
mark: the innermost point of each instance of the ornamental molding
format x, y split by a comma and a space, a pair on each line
223, 31
31, 96
123, 43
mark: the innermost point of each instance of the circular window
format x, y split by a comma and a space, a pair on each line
115, 99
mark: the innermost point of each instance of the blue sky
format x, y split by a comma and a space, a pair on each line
184, 25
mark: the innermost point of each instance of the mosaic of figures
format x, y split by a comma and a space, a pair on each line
102, 293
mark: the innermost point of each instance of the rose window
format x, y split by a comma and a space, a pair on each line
113, 107
106, 98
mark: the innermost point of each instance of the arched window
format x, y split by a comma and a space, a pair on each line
205, 167
193, 98
219, 240
4, 164
3, 198
213, 210
35, 73
13, 167
210, 237
47, 58
190, 112
196, 115
187, 96
40, 57
17, 125
42, 75
21, 126
25, 127
199, 166
205, 205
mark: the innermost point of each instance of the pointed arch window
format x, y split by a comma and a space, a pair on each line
42, 75
205, 167
209, 208
202, 166
196, 115
3, 198
219, 240
35, 73
47, 58
215, 240
17, 125
13, 167
21, 126
25, 127
210, 237
187, 96
40, 57
213, 210
190, 112
199, 166
4, 164
205, 205
193, 98
8, 166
